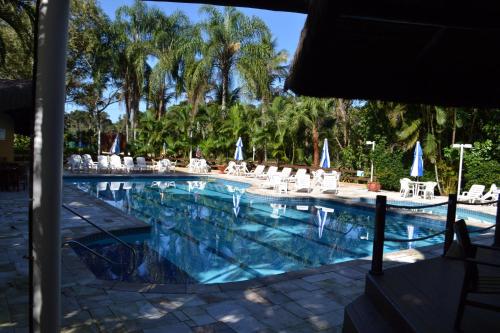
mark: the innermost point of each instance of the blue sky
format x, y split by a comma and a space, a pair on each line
286, 28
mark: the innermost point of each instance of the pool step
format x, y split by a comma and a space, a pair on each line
420, 297
362, 316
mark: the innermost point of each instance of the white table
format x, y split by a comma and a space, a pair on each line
416, 187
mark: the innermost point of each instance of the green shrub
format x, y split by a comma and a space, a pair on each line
481, 165
388, 167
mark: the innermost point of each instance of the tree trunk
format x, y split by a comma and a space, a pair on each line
437, 178
453, 133
315, 145
225, 84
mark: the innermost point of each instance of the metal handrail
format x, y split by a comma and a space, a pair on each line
93, 252
134, 253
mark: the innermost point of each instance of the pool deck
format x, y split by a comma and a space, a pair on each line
304, 301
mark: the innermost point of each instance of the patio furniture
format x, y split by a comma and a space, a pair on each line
475, 281
115, 163
285, 173
271, 171
128, 163
230, 169
103, 162
318, 177
303, 183
427, 190
256, 172
88, 163
75, 162
491, 195
141, 163
405, 188
241, 169
475, 193
300, 172
329, 183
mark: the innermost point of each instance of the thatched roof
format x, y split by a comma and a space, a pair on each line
418, 51
16, 101
414, 51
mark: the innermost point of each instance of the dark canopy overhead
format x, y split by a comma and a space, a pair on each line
444, 52
298, 6
16, 101
415, 51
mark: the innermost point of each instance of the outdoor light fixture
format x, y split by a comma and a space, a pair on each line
373, 148
461, 146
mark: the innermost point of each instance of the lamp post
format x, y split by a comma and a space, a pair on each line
461, 146
373, 148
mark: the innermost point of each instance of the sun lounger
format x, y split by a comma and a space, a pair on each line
329, 183
128, 163
141, 163
491, 195
303, 183
299, 173
75, 162
267, 175
88, 164
115, 163
256, 172
474, 194
103, 162
231, 168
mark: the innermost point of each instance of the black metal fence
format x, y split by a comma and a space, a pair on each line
379, 235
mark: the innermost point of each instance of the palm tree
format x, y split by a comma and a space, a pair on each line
311, 112
228, 33
134, 27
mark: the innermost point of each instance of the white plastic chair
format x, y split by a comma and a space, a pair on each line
141, 163
329, 183
103, 162
75, 162
303, 183
230, 169
428, 190
300, 172
256, 172
405, 188
115, 163
318, 177
128, 163
88, 163
491, 195
270, 172
475, 193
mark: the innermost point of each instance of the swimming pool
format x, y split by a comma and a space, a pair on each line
206, 230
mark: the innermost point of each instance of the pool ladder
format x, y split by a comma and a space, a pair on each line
119, 240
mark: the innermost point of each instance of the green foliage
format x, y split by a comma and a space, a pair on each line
480, 164
21, 144
388, 166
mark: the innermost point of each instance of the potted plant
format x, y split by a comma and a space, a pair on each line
220, 164
374, 186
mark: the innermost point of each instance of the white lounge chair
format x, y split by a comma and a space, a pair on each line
88, 164
270, 172
103, 162
303, 183
475, 192
299, 173
256, 172
203, 166
491, 195
329, 183
318, 177
285, 173
75, 162
128, 163
163, 165
141, 163
115, 163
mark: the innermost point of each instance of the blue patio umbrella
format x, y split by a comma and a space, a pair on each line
115, 148
238, 154
325, 156
417, 167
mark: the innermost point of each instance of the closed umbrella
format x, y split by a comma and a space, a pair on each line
164, 150
115, 148
238, 154
325, 156
417, 167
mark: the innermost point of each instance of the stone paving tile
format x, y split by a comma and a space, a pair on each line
173, 328
213, 328
327, 320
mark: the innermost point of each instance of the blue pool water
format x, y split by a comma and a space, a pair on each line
204, 230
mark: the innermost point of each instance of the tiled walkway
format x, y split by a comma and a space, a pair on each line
305, 301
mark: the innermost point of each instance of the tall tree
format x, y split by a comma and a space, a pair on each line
228, 33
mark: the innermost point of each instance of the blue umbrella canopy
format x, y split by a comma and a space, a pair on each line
417, 167
115, 148
325, 156
238, 154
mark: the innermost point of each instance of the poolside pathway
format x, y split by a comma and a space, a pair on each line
305, 301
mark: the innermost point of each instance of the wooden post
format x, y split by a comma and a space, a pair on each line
496, 240
450, 219
378, 239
